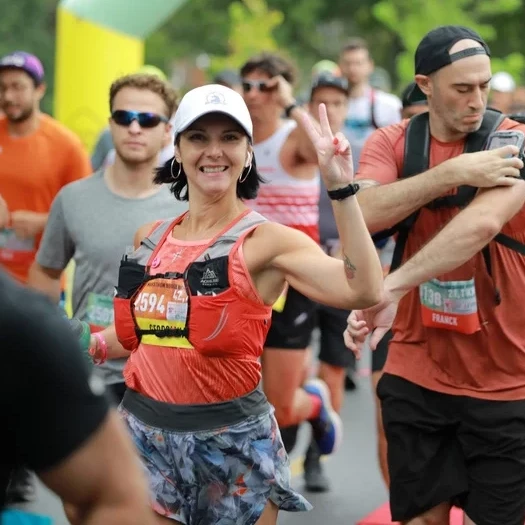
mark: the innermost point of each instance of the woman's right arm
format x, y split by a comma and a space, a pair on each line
114, 349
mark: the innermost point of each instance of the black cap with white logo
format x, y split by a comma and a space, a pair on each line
433, 52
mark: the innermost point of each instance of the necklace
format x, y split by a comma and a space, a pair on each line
225, 219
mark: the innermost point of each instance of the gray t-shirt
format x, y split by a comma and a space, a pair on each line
91, 225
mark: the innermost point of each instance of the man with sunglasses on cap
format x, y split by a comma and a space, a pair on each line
38, 156
287, 161
453, 388
94, 221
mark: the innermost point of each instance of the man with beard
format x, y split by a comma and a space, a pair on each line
38, 156
453, 387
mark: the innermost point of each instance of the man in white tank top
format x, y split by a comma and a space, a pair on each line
287, 161
369, 108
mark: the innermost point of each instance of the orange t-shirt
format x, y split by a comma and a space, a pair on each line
33, 169
490, 363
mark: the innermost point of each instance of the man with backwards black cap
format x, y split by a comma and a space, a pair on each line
453, 389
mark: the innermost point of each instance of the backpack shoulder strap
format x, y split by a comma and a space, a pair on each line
149, 244
373, 108
417, 139
224, 244
510, 243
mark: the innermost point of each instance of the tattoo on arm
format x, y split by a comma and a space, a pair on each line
349, 268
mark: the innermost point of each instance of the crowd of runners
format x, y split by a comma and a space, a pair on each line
212, 235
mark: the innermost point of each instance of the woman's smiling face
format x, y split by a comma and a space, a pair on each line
214, 151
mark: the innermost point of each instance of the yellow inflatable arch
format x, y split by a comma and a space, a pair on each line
96, 42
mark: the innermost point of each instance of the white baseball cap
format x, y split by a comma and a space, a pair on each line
212, 98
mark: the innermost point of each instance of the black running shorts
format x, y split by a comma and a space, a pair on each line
292, 328
445, 448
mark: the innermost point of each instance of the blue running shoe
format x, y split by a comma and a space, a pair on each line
327, 427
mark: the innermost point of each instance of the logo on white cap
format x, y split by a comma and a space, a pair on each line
215, 98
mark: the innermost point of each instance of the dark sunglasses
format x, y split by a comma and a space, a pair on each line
145, 120
261, 85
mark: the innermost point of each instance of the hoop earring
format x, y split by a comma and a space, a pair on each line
244, 176
171, 169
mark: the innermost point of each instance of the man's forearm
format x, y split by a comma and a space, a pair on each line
305, 147
43, 217
49, 285
464, 236
384, 206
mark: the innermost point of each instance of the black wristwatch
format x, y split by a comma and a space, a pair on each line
288, 109
342, 193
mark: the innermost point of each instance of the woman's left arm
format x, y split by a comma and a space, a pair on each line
359, 275
326, 279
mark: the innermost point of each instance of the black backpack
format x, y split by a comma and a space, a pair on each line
417, 139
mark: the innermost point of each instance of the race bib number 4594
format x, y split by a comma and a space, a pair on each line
450, 305
162, 304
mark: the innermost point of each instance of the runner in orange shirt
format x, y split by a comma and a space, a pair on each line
453, 389
37, 157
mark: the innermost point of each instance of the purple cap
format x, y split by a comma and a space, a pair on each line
26, 62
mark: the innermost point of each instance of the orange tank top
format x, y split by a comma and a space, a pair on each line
225, 319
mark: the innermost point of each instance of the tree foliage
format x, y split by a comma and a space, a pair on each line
29, 25
411, 19
251, 29
307, 30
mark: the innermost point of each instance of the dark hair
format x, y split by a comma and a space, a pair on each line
355, 44
246, 190
147, 82
273, 65
228, 78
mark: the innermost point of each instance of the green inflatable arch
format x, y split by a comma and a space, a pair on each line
97, 41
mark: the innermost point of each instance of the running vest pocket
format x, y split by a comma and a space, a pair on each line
208, 277
131, 277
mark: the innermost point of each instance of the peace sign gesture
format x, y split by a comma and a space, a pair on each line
333, 152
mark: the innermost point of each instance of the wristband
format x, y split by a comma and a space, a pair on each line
288, 109
103, 346
343, 193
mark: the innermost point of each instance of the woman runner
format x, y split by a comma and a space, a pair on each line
193, 305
